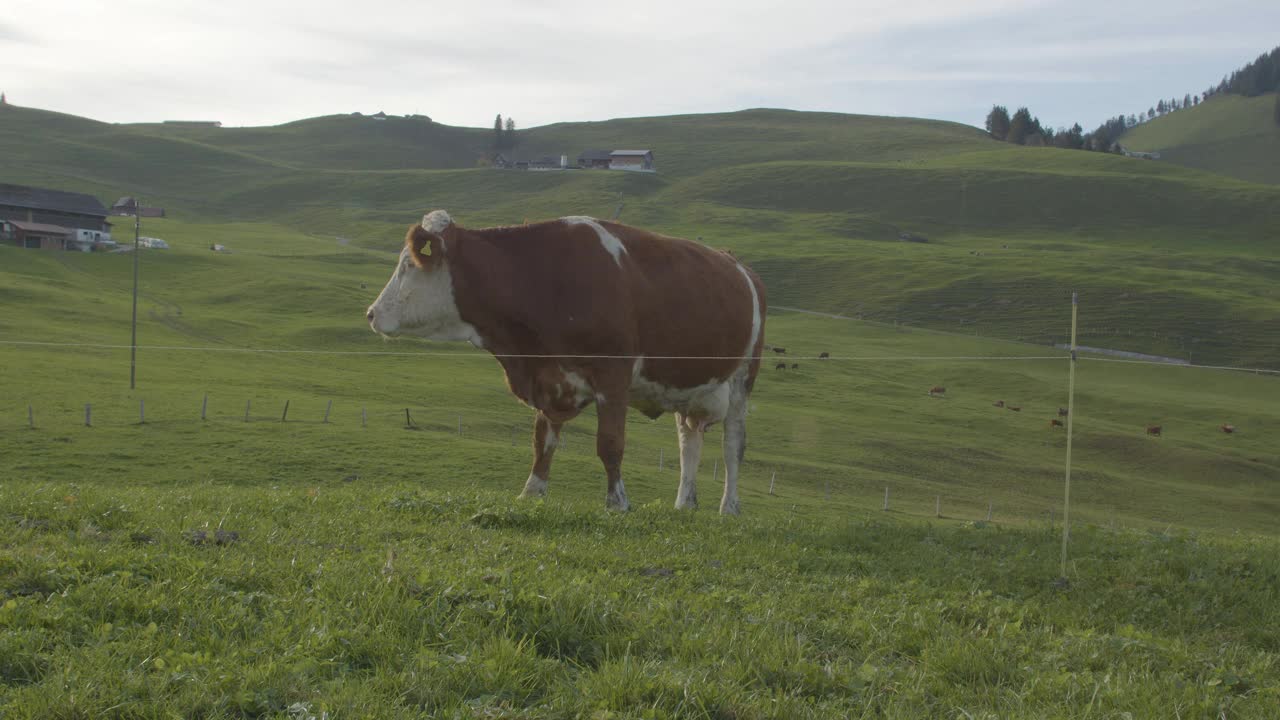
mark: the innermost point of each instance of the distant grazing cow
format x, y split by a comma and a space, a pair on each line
998, 403
1155, 429
1228, 428
580, 311
1015, 408
795, 366
1055, 423
937, 390
780, 350
780, 366
1062, 412
824, 356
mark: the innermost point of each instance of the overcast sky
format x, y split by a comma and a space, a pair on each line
461, 62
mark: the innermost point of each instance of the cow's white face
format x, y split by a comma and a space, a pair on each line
418, 299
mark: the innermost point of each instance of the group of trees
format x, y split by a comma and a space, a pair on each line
1022, 128
504, 133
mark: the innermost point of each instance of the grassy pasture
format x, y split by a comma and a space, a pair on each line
1228, 134
369, 569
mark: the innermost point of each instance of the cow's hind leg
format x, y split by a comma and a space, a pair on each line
546, 436
690, 455
735, 445
611, 436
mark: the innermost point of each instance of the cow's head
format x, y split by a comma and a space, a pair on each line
418, 299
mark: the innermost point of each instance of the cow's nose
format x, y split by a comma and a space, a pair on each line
369, 315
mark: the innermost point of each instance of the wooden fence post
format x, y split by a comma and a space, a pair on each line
659, 458
364, 417
327, 408
31, 418
204, 407
937, 507
88, 415
247, 403
142, 411
772, 480
285, 415
886, 498
408, 420
988, 512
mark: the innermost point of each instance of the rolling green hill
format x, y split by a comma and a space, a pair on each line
1228, 134
1171, 260
290, 516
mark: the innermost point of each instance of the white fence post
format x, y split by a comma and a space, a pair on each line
31, 418
88, 415
364, 417
247, 403
772, 480
142, 411
204, 407
327, 408
886, 498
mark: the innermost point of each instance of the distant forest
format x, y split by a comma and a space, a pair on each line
1022, 128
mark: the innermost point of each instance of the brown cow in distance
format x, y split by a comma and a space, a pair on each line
780, 366
1155, 430
780, 350
1228, 428
937, 390
1055, 422
1062, 412
824, 356
582, 312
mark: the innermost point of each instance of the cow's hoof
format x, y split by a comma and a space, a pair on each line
729, 508
617, 503
687, 504
534, 487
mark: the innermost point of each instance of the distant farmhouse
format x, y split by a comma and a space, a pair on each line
44, 219
635, 160
641, 160
129, 206
195, 123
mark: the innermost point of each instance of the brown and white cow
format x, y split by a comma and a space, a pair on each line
580, 311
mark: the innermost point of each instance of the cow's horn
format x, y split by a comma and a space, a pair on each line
436, 221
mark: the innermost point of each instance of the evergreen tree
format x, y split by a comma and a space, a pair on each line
1186, 100
998, 122
497, 132
1161, 108
1020, 127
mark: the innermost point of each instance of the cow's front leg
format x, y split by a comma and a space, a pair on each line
546, 437
611, 431
690, 432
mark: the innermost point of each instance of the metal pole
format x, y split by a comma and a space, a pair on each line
204, 407
327, 408
1071, 416
133, 331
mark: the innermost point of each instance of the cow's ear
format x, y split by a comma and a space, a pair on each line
424, 247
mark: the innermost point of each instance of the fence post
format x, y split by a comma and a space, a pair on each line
988, 512
1071, 416
31, 418
659, 458
327, 408
285, 415
408, 420
204, 407
937, 506
715, 469
364, 417
247, 403
142, 411
459, 424
886, 498
826, 490
772, 480
88, 415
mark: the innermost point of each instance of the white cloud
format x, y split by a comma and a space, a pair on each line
460, 62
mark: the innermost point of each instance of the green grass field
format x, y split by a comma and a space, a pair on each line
1228, 134
369, 569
